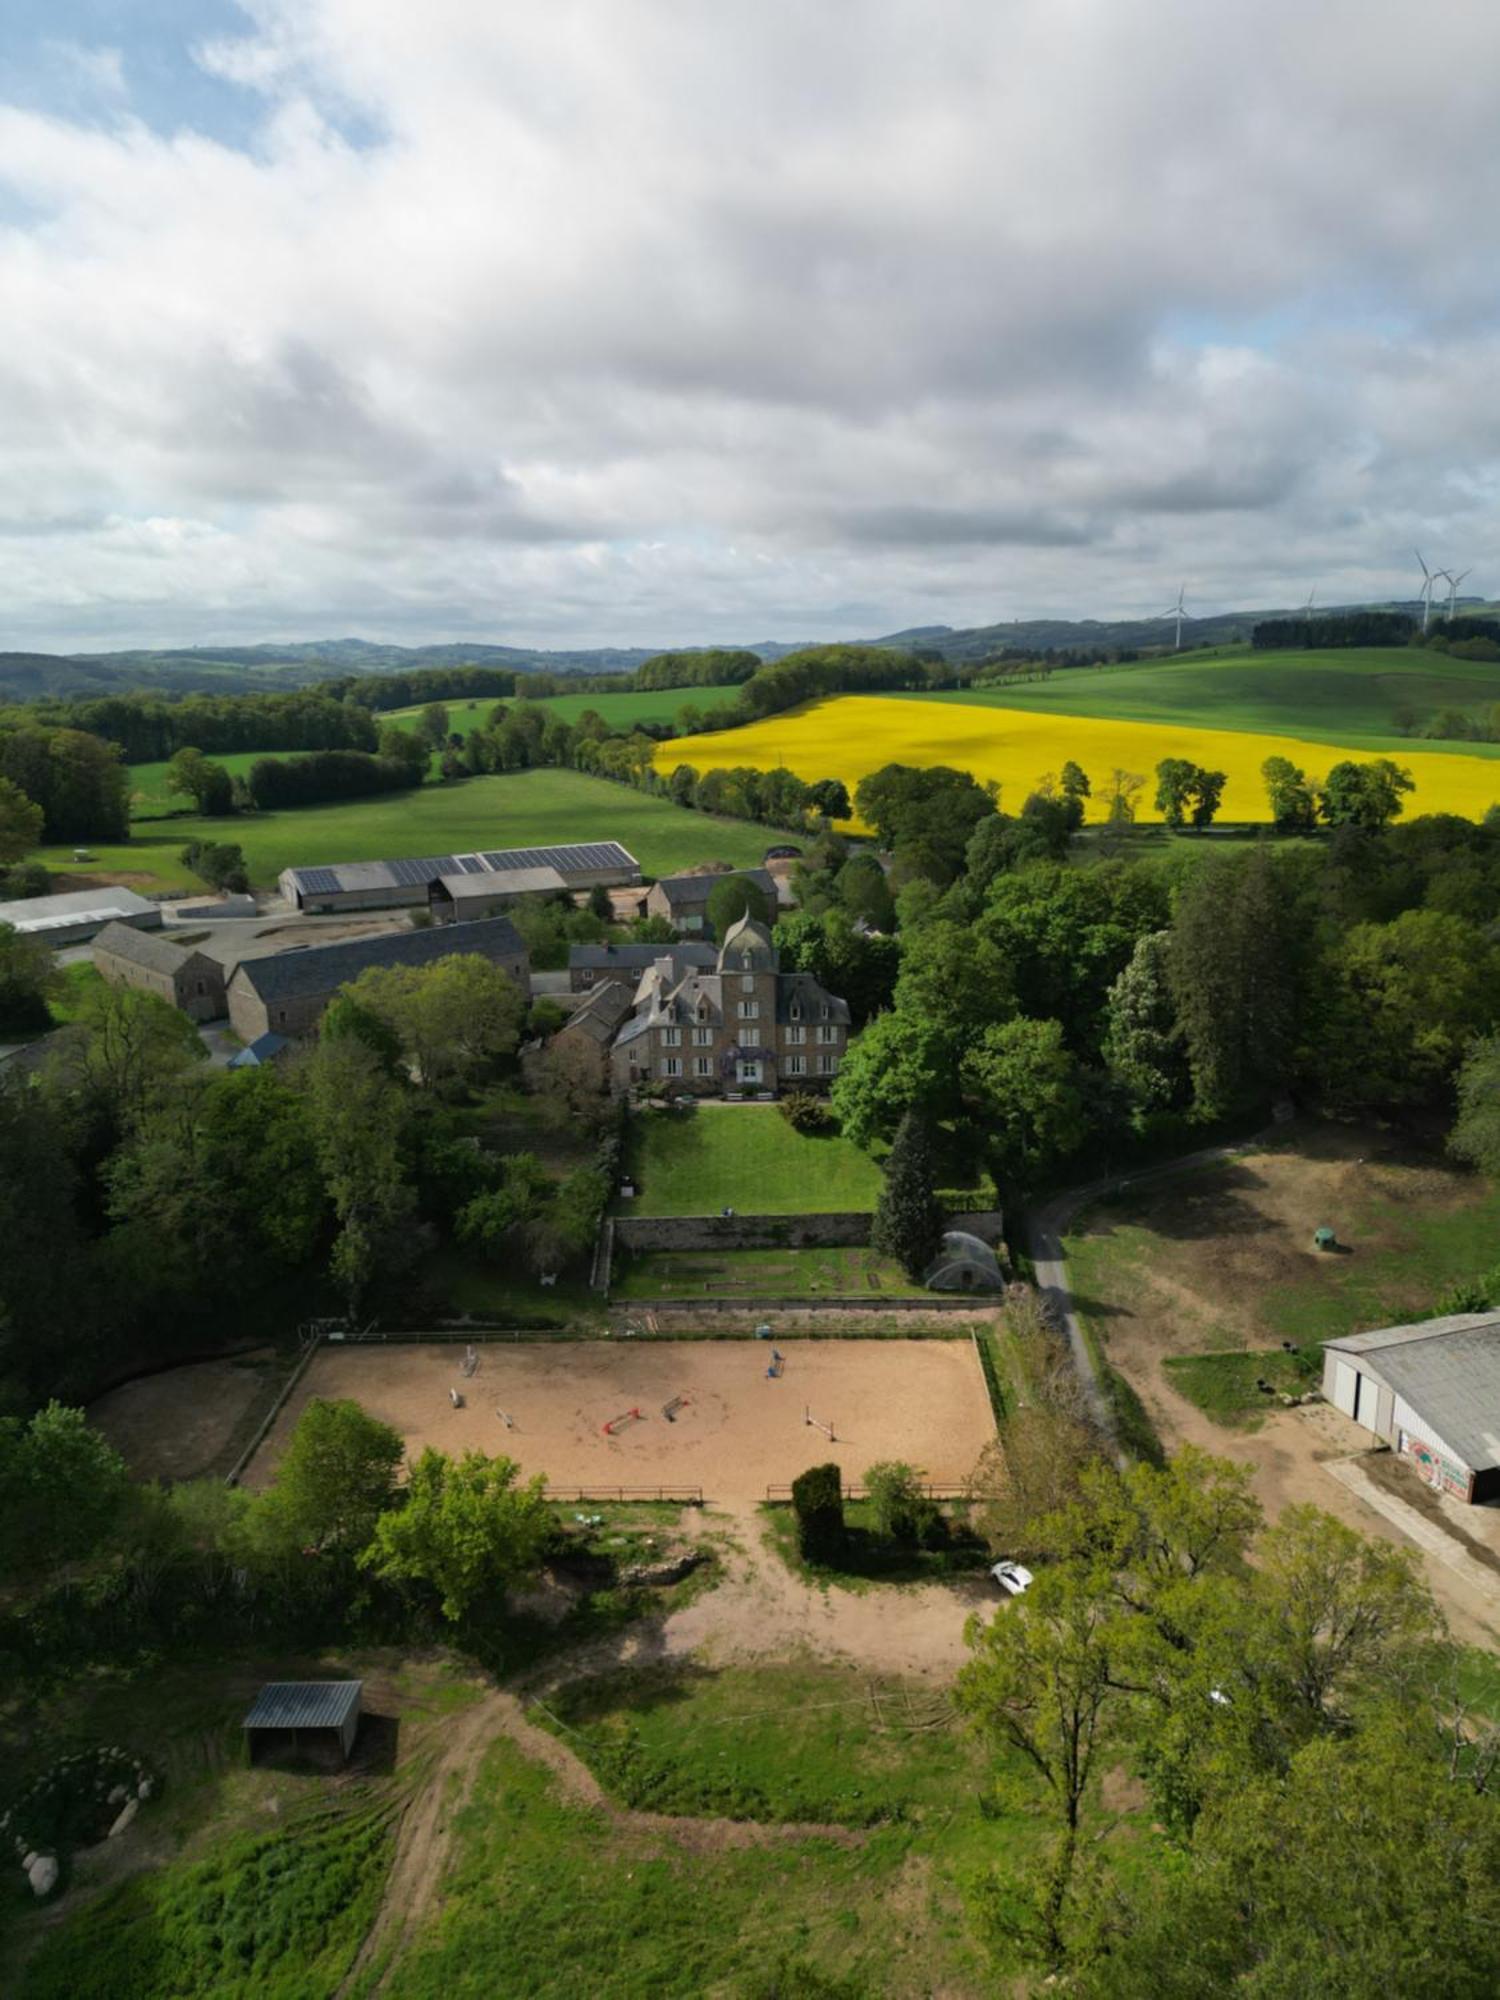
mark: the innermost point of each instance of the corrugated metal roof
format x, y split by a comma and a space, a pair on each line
414, 872
304, 1705
76, 907
322, 968
1448, 1369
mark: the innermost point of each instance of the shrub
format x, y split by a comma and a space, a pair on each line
220, 863
805, 1113
900, 1510
818, 1502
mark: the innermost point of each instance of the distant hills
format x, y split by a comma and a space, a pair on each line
245, 669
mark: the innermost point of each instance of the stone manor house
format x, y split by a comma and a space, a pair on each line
744, 1027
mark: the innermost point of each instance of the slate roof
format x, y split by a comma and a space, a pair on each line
634, 959
600, 1015
1448, 1369
321, 968
153, 949
691, 892
304, 1705
265, 1048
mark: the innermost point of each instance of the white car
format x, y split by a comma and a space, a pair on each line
1011, 1577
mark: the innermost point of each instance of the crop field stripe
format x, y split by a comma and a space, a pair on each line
849, 736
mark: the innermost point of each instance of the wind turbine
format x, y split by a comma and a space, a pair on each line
1176, 611
1428, 580
1307, 609
1453, 583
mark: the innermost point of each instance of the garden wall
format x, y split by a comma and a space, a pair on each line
752, 1232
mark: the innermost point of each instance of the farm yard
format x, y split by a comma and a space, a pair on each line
746, 1157
849, 736
737, 1429
519, 809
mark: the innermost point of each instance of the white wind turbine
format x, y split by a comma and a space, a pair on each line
1429, 578
1307, 609
1176, 611
1453, 583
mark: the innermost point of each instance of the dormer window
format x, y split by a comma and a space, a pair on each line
796, 1010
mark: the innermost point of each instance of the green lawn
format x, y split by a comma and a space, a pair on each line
766, 1274
522, 809
619, 710
1344, 697
149, 797
1224, 1385
747, 1157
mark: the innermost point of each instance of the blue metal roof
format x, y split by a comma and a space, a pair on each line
304, 1705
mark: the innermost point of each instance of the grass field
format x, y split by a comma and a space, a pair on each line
523, 809
766, 1274
1337, 697
1225, 1386
747, 1157
620, 711
149, 797
851, 735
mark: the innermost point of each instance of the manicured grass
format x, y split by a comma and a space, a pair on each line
746, 1157
850, 736
1344, 696
150, 799
766, 1274
522, 809
1224, 1385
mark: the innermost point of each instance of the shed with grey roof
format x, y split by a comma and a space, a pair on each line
1432, 1391
387, 885
152, 962
683, 899
286, 993
318, 1718
79, 915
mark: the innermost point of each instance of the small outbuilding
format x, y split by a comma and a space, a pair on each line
965, 1263
315, 1719
264, 1049
1431, 1391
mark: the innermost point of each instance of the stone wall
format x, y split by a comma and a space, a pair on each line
741, 1232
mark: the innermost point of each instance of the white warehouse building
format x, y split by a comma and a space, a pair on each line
1432, 1392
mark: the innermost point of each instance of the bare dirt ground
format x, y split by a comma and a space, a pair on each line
919, 1400
183, 1423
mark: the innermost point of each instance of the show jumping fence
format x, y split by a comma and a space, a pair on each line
686, 1496
779, 1492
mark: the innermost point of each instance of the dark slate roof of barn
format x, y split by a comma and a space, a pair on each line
638, 957
156, 950
321, 968
691, 892
304, 1705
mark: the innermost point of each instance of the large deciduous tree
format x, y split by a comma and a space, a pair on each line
465, 1529
733, 897
21, 821
1476, 1133
1025, 1084
1142, 1042
358, 1120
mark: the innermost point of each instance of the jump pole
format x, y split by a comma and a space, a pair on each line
817, 1423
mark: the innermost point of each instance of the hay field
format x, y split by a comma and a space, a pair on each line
848, 736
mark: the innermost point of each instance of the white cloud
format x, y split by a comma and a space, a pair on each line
609, 319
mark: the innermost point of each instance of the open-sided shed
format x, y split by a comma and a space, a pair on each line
316, 1718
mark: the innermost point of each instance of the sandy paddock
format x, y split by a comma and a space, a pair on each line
182, 1423
920, 1400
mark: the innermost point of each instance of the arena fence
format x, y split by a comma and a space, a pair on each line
779, 1492
686, 1496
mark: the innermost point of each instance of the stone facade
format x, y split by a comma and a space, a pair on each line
151, 963
746, 1028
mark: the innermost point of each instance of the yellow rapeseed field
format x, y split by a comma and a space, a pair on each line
848, 736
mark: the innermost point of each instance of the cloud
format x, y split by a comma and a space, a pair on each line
605, 321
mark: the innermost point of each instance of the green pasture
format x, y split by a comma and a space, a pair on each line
620, 710
746, 1157
1224, 1386
539, 808
1343, 697
149, 797
766, 1274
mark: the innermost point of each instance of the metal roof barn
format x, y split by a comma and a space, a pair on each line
79, 915
369, 885
305, 1715
1432, 1390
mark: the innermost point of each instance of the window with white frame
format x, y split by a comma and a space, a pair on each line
828, 1065
703, 1037
587, 976
671, 1038
703, 1065
828, 1034
747, 984
672, 1066
796, 1065
796, 1034
749, 1010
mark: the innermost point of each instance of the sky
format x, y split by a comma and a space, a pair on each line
591, 322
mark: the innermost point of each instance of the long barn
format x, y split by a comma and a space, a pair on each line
389, 885
1432, 1391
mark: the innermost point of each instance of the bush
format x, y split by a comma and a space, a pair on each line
900, 1510
220, 863
818, 1502
27, 878
806, 1113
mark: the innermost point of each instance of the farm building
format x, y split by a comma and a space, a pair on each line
460, 899
389, 885
964, 1263
1432, 1391
683, 899
151, 962
320, 1718
286, 994
255, 1055
590, 965
79, 915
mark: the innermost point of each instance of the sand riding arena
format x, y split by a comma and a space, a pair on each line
721, 1415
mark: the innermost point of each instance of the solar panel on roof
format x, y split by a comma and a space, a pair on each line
316, 881
472, 864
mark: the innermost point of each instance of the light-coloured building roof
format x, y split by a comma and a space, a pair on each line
79, 906
1448, 1370
415, 872
510, 882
